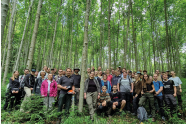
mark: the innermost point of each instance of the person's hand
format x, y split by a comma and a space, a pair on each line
85, 96
16, 91
180, 90
136, 95
131, 91
65, 88
79, 89
13, 91
104, 103
174, 94
98, 96
116, 103
73, 92
142, 92
31, 88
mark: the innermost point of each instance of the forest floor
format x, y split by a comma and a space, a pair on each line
40, 116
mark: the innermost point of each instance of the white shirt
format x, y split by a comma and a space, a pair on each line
49, 82
176, 80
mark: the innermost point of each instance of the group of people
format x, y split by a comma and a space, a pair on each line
104, 92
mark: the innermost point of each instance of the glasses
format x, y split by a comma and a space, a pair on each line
145, 76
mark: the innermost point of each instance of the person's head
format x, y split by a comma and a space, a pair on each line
144, 71
60, 72
116, 72
68, 71
113, 72
42, 73
64, 72
125, 74
50, 76
114, 88
136, 77
167, 72
145, 77
76, 70
155, 76
48, 70
141, 76
162, 73
104, 77
130, 73
140, 70
139, 73
157, 72
165, 76
133, 75
52, 71
45, 68
93, 69
173, 73
15, 75
92, 73
88, 70
33, 71
99, 68
36, 73
100, 73
104, 89
108, 71
124, 70
72, 72
55, 70
26, 71
96, 73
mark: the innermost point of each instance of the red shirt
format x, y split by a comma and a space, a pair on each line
109, 78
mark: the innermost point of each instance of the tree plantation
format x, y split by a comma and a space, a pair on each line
60, 34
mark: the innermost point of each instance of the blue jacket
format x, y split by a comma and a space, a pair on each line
108, 86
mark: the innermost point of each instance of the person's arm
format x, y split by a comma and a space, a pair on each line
174, 91
59, 85
132, 86
10, 84
42, 89
153, 89
35, 85
160, 90
118, 86
55, 89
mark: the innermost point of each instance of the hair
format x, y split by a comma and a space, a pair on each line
51, 74
114, 85
144, 78
43, 71
26, 69
155, 74
107, 69
140, 70
156, 70
124, 72
104, 87
104, 75
165, 74
69, 68
60, 69
144, 70
13, 76
162, 72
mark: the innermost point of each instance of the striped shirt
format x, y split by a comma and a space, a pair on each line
104, 97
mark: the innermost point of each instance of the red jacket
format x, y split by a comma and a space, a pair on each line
53, 88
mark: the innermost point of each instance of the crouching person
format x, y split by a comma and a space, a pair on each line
104, 102
116, 99
49, 91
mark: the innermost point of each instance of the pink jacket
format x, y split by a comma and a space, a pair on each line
109, 78
53, 88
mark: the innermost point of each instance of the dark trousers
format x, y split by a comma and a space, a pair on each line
135, 104
126, 97
171, 102
64, 99
160, 104
106, 109
14, 100
8, 96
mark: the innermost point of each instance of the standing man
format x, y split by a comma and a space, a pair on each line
77, 80
53, 73
158, 74
29, 82
113, 73
125, 86
116, 77
99, 68
66, 83
167, 72
36, 74
144, 72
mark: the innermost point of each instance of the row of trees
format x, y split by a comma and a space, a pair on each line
146, 34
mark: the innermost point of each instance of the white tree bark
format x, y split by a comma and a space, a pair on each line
4, 11
84, 55
9, 42
34, 35
22, 40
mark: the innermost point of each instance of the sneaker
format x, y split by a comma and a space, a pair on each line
163, 118
153, 120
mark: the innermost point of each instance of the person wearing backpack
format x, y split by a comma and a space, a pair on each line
158, 85
147, 92
169, 90
106, 83
125, 86
37, 85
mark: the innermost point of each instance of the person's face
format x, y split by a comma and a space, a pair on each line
36, 73
76, 71
26, 72
116, 73
99, 68
139, 75
52, 71
136, 77
124, 74
72, 72
167, 72
42, 73
165, 76
155, 76
50, 76
96, 73
172, 73
88, 70
92, 75
48, 70
130, 73
157, 72
33, 73
45, 68
92, 67
64, 72
145, 77
107, 71
60, 72
55, 70
68, 72
104, 90
100, 72
144, 72
114, 88
16, 73
104, 77
123, 70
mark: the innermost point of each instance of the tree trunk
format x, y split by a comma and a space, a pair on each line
20, 48
101, 36
84, 55
61, 48
9, 42
34, 35
4, 11
109, 43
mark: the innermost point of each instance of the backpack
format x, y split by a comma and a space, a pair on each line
142, 114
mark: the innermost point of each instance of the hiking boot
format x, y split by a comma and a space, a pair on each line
153, 119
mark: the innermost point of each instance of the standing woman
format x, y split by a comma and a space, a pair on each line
177, 83
91, 93
14, 86
49, 91
136, 93
38, 83
106, 83
147, 92
100, 75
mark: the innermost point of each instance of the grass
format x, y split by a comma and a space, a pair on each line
39, 115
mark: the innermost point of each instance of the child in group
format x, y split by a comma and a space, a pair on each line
104, 102
116, 99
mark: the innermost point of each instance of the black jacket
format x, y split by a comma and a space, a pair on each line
29, 81
37, 85
116, 97
14, 84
